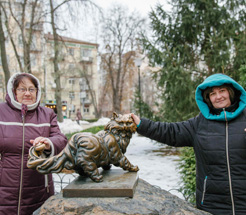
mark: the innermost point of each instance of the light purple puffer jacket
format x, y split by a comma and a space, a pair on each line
23, 190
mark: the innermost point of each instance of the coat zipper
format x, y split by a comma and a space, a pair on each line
204, 189
228, 165
22, 163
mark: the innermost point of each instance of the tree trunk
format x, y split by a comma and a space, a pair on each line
116, 101
56, 69
3, 52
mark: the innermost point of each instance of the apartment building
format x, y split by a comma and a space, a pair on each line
78, 75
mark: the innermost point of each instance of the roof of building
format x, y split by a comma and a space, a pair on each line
50, 36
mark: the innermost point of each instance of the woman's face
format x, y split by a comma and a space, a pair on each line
220, 97
26, 93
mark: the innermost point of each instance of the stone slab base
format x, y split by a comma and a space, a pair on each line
147, 200
116, 183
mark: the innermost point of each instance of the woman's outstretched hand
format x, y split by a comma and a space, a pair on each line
135, 118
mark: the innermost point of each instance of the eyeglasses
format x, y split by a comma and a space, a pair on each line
23, 90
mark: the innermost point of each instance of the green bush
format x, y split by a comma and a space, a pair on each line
93, 130
91, 120
187, 170
242, 76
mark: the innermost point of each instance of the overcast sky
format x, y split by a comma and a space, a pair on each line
143, 6
88, 30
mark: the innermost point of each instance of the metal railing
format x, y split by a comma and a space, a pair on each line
61, 180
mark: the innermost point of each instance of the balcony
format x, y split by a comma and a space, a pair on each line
86, 101
86, 60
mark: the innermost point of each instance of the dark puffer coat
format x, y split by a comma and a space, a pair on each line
23, 190
219, 143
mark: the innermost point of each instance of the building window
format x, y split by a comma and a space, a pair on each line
71, 66
86, 52
71, 95
71, 81
34, 42
87, 69
83, 84
33, 60
86, 109
20, 41
71, 51
22, 60
87, 96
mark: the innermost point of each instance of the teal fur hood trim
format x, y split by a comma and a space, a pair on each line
218, 80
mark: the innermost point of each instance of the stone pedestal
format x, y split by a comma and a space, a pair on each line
116, 183
147, 199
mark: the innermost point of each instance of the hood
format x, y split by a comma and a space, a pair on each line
218, 80
11, 98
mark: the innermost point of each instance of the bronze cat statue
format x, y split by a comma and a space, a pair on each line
86, 152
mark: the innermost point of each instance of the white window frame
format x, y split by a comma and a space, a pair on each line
71, 81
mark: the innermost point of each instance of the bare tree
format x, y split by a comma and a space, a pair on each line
55, 61
120, 32
104, 88
3, 50
19, 21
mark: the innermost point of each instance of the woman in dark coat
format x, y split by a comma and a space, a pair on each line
24, 123
218, 136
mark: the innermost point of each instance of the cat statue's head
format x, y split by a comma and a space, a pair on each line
122, 123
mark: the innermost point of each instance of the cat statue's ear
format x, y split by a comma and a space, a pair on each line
115, 115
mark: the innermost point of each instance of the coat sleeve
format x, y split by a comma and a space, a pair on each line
176, 134
58, 139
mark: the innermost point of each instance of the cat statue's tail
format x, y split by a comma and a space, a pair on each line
54, 164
